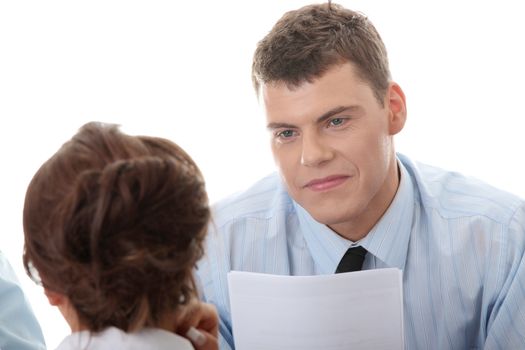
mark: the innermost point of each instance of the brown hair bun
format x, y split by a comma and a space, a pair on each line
116, 223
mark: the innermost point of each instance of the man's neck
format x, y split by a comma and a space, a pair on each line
357, 228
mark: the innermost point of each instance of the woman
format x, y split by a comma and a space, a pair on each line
114, 225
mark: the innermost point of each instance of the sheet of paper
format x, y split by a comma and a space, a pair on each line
355, 310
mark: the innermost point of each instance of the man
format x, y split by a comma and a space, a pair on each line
19, 329
323, 77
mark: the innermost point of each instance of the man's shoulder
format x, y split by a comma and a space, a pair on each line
264, 199
454, 194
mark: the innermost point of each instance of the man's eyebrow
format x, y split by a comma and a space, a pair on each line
337, 110
273, 126
322, 118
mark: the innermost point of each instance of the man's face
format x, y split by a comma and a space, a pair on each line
332, 142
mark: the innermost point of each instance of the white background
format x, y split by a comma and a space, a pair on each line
181, 69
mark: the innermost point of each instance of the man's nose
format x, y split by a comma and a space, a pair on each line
315, 150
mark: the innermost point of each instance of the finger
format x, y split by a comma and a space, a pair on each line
188, 316
202, 340
197, 337
208, 319
198, 315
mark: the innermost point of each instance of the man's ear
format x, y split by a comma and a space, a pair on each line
396, 104
55, 299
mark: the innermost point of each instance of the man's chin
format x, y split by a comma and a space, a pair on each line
328, 219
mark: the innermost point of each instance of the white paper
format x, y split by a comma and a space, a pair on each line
354, 310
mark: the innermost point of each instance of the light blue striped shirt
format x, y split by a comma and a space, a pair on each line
459, 242
19, 329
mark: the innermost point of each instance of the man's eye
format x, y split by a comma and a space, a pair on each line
337, 121
285, 134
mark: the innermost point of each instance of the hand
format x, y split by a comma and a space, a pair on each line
199, 322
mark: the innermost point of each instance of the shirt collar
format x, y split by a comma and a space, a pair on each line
388, 240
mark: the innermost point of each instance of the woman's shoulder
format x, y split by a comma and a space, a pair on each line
113, 338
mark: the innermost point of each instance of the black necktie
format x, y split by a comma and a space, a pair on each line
352, 260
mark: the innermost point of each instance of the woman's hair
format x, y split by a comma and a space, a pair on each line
306, 42
116, 223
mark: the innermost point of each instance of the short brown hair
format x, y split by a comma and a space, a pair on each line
306, 42
116, 223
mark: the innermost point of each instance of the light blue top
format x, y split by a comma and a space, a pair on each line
19, 329
459, 242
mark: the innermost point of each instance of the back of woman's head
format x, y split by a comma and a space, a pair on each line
116, 224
